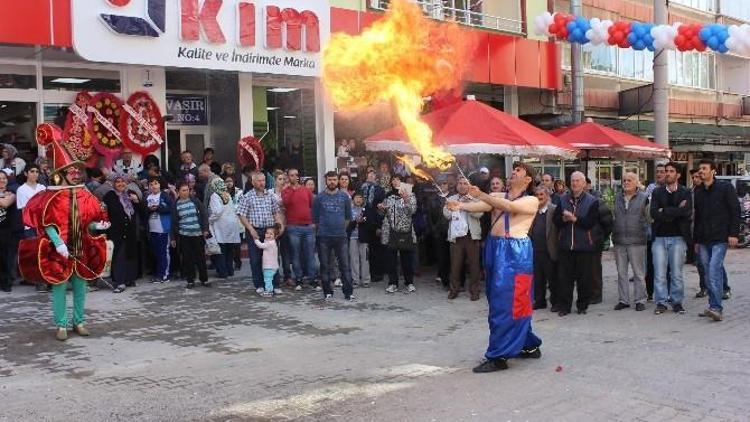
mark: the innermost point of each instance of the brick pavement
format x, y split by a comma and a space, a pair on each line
162, 353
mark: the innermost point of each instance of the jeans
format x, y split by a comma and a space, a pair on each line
359, 262
668, 252
338, 246
702, 276
256, 260
160, 251
269, 274
712, 259
302, 243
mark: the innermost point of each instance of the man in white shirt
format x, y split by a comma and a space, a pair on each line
23, 195
126, 164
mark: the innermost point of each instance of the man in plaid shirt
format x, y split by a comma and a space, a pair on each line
258, 211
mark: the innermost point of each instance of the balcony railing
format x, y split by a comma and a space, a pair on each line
447, 10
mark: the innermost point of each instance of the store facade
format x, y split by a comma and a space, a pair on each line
218, 70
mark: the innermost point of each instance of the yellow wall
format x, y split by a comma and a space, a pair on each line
534, 8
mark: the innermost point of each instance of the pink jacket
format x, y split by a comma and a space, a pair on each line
270, 254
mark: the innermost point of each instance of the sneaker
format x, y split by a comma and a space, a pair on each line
260, 290
650, 298
154, 280
62, 334
727, 295
660, 309
640, 307
351, 298
491, 365
298, 287
534, 353
318, 289
365, 285
165, 280
621, 306
702, 293
337, 282
410, 288
41, 288
714, 314
392, 288
81, 330
277, 291
190, 285
328, 297
267, 293
678, 309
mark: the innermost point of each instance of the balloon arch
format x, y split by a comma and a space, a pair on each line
645, 36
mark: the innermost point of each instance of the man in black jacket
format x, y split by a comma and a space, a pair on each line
717, 225
575, 219
671, 209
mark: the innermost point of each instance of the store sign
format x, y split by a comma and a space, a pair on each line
263, 36
187, 109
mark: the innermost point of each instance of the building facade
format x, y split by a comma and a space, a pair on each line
221, 70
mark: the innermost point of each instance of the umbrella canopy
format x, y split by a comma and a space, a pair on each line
604, 142
471, 127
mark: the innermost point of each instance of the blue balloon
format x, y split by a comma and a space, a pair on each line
705, 33
723, 49
571, 26
713, 43
639, 45
651, 47
632, 38
723, 36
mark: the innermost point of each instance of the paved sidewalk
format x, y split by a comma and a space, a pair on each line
163, 353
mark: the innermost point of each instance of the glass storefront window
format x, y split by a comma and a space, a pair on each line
17, 77
18, 126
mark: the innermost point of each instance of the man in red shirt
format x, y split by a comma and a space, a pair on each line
297, 202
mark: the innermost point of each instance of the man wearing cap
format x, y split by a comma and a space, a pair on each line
65, 250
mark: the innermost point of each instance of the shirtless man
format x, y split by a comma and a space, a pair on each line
508, 261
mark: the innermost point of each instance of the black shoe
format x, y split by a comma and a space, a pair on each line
563, 312
190, 285
640, 307
621, 306
540, 306
534, 353
7, 289
595, 301
554, 308
206, 283
491, 365
650, 298
41, 288
581, 312
702, 293
727, 295
660, 309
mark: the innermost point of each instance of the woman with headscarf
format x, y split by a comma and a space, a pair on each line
121, 203
9, 160
236, 194
222, 218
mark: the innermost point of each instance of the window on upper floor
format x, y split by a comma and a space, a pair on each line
606, 59
499, 15
736, 8
692, 69
705, 5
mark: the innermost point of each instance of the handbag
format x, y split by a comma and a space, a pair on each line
402, 241
212, 246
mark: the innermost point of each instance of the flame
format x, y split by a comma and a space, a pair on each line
413, 169
400, 59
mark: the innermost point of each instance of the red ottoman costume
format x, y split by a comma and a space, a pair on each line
64, 249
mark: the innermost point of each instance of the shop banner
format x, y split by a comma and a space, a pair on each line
263, 36
187, 109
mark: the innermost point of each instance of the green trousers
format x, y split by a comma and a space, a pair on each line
60, 303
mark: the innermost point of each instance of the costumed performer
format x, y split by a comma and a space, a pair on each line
67, 248
508, 261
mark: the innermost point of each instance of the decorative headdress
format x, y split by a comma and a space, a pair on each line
51, 136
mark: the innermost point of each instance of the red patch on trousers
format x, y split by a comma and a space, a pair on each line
522, 307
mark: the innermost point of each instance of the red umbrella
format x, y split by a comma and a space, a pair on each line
471, 127
604, 142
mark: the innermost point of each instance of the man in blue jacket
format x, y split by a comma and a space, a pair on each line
331, 212
576, 219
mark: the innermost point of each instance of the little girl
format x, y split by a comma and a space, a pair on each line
270, 260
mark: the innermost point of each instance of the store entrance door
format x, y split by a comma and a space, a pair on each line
191, 139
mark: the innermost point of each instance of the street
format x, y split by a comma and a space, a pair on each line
163, 353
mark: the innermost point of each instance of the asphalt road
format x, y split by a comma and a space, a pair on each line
162, 353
